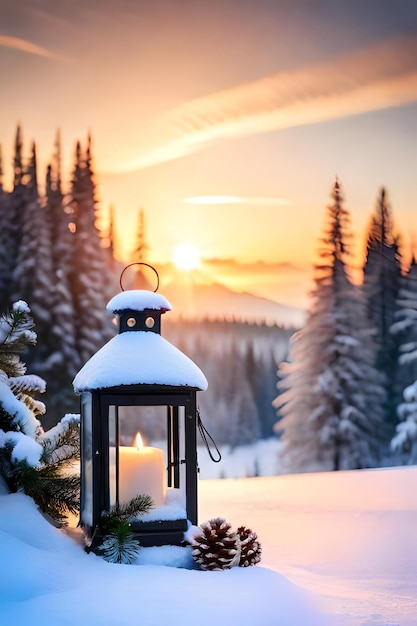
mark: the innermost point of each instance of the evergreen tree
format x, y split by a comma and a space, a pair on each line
404, 328
240, 411
32, 276
266, 392
382, 274
51, 255
18, 205
405, 438
32, 460
332, 404
16, 334
89, 278
111, 242
63, 357
261, 375
6, 248
141, 248
139, 255
12, 217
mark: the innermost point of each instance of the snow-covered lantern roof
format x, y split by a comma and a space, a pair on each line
139, 354
139, 381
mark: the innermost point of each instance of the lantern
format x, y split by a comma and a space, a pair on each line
139, 368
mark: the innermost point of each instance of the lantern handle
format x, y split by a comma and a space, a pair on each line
205, 436
139, 263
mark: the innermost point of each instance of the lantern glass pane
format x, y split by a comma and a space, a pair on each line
142, 463
113, 442
87, 459
149, 421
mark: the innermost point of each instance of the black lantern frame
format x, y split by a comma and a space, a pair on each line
158, 375
96, 438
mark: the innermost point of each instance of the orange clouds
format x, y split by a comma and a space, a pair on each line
380, 77
24, 46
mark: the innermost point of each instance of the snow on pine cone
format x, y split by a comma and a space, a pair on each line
216, 546
250, 548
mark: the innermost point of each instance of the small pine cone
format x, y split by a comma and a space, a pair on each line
250, 548
216, 547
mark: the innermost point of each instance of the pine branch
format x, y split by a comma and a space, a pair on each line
8, 467
10, 362
4, 419
54, 493
120, 545
17, 326
125, 512
61, 446
29, 384
139, 505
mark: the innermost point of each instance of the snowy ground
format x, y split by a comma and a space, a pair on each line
339, 549
350, 537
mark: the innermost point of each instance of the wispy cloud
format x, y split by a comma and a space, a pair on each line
380, 77
25, 46
259, 201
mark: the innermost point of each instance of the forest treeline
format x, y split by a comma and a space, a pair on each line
54, 257
346, 395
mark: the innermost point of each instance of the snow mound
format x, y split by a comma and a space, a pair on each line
48, 580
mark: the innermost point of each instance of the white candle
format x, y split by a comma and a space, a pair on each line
141, 471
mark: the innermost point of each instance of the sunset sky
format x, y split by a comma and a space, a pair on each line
226, 120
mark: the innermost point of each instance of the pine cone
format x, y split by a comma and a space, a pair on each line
250, 548
216, 547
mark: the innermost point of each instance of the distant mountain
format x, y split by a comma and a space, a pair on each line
192, 297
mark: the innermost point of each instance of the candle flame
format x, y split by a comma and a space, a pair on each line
139, 441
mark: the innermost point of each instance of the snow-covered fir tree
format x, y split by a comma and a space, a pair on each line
332, 403
241, 416
261, 376
32, 460
63, 356
404, 441
404, 328
382, 275
33, 275
89, 279
139, 255
51, 256
16, 333
111, 241
11, 223
6, 251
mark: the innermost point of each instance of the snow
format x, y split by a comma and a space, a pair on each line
139, 357
138, 300
174, 507
28, 382
24, 447
339, 549
21, 306
22, 415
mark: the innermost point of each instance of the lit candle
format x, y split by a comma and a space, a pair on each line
141, 471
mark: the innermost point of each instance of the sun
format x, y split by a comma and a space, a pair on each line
186, 257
